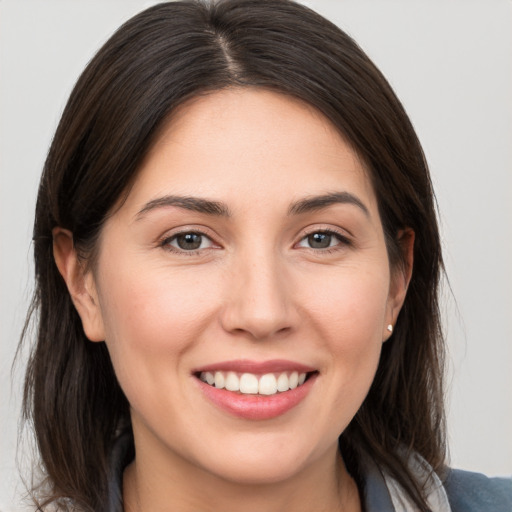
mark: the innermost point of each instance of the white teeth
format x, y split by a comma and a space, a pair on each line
250, 384
219, 380
283, 382
268, 384
294, 380
232, 382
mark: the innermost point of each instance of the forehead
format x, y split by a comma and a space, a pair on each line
248, 142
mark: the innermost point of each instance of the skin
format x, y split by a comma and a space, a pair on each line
256, 289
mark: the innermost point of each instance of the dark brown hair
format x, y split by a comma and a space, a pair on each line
153, 63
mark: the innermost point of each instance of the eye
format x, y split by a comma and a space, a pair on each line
323, 240
188, 241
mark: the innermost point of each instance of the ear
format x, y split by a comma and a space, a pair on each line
400, 278
80, 284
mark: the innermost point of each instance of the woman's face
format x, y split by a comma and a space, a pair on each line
249, 253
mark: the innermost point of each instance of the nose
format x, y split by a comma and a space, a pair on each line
259, 299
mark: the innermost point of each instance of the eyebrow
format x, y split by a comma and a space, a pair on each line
314, 203
195, 204
220, 209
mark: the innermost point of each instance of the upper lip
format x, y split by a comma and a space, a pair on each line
257, 367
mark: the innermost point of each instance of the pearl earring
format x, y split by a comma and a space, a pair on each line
390, 328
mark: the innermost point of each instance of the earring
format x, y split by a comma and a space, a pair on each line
390, 328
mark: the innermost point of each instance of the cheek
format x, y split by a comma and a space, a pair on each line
348, 317
151, 319
161, 304
350, 307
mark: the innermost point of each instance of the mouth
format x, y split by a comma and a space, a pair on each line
256, 391
247, 383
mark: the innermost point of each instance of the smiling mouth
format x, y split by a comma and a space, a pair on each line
254, 384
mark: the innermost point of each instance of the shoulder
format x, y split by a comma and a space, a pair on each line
468, 492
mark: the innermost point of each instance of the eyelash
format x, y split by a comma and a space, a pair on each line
165, 243
343, 240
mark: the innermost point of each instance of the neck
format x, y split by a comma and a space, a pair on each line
325, 485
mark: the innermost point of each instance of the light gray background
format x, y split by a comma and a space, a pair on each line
450, 61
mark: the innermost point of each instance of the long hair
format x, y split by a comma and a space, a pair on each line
153, 63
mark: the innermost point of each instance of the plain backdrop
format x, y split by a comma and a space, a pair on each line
450, 62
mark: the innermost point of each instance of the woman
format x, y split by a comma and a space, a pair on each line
237, 261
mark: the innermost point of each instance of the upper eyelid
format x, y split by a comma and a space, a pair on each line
337, 231
200, 230
185, 232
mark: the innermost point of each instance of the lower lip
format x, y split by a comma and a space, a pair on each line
257, 407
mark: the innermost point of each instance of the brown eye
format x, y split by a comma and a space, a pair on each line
323, 240
320, 240
190, 241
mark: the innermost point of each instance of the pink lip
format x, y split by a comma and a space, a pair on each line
256, 367
256, 407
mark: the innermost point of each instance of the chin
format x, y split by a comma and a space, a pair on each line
257, 472
263, 463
